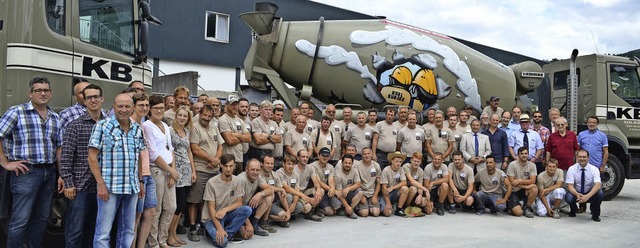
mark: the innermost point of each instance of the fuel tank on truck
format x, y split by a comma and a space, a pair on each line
381, 62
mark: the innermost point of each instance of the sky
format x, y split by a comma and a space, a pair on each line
542, 29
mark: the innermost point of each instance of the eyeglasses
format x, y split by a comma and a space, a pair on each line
39, 91
91, 98
537, 116
143, 105
157, 108
560, 125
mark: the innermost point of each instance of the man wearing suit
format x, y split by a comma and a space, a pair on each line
475, 147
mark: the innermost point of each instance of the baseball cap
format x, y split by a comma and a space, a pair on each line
232, 98
524, 117
276, 102
493, 98
325, 151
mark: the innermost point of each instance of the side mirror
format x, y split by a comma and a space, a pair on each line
146, 13
141, 54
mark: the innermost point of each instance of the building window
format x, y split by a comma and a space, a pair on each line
217, 27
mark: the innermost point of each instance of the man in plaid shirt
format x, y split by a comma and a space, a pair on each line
31, 136
79, 184
114, 158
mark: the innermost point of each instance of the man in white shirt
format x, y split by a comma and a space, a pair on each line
584, 185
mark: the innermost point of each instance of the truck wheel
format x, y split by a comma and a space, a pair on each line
613, 178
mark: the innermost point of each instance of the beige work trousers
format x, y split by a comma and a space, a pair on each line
164, 211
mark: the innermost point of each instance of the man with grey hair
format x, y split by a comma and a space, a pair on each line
360, 135
264, 133
403, 112
439, 138
296, 139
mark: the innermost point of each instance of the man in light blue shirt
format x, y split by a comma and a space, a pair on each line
595, 142
524, 137
584, 185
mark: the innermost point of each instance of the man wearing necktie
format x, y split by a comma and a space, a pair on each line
584, 185
526, 138
475, 147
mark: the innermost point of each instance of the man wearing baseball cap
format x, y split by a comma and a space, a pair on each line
493, 107
234, 132
526, 138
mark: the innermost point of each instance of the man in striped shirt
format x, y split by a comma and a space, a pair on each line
114, 158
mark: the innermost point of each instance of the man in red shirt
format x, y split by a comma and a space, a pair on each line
562, 145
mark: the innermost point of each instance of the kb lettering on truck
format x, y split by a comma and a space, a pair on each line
119, 72
628, 113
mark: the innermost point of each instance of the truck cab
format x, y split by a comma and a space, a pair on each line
104, 42
609, 88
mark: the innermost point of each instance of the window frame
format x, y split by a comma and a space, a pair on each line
206, 26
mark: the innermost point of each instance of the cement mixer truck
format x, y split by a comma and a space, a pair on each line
375, 63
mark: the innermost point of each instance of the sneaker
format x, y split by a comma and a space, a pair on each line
236, 240
572, 214
181, 230
528, 212
284, 224
265, 225
452, 209
480, 212
493, 210
193, 236
259, 231
556, 213
353, 216
583, 208
565, 209
341, 212
313, 217
439, 209
595, 218
200, 229
320, 213
400, 212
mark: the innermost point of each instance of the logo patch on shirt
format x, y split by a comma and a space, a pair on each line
494, 181
397, 178
373, 172
350, 181
232, 193
395, 131
272, 182
367, 135
526, 174
293, 182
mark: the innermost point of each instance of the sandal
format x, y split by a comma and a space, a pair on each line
173, 243
182, 242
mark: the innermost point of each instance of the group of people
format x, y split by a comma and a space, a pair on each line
162, 166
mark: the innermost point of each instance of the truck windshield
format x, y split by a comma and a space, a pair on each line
108, 24
625, 83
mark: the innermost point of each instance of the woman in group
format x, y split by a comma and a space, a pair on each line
185, 166
147, 204
158, 138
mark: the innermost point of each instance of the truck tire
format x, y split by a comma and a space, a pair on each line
613, 178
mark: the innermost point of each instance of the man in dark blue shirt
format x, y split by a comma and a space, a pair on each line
499, 142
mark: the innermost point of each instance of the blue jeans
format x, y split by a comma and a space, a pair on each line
32, 195
150, 199
122, 207
595, 201
80, 220
484, 200
231, 223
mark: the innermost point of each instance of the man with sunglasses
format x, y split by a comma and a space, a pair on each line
544, 136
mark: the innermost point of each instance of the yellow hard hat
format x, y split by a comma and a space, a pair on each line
426, 80
401, 75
